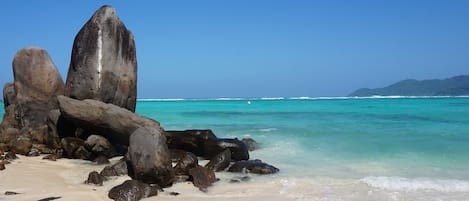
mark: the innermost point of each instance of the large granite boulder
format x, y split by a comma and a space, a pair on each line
32, 95
150, 157
112, 122
103, 64
205, 144
132, 190
36, 77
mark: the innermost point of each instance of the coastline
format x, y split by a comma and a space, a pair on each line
64, 178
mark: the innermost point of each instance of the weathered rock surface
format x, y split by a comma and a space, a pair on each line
103, 64
150, 157
53, 137
119, 168
11, 155
239, 150
253, 166
205, 144
36, 77
186, 162
202, 177
2, 165
31, 96
100, 160
75, 148
132, 190
7, 135
220, 162
100, 146
37, 83
251, 144
51, 157
9, 94
189, 140
9, 119
21, 145
95, 178
4, 147
114, 123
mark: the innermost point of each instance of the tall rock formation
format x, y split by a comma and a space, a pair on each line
103, 65
33, 93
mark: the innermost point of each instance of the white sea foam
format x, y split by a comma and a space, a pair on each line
272, 98
267, 129
406, 184
161, 99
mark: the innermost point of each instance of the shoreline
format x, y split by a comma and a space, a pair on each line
65, 178
34, 178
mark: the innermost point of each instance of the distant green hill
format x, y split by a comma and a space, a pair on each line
455, 86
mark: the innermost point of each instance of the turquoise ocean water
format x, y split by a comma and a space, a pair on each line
372, 148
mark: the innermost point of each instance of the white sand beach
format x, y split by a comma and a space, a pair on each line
34, 179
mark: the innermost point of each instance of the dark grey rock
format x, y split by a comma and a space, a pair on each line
70, 145
250, 143
119, 168
132, 190
11, 193
220, 162
50, 198
51, 157
253, 166
185, 163
43, 149
150, 158
190, 140
53, 136
240, 179
100, 160
181, 178
99, 145
205, 144
103, 65
34, 152
82, 153
11, 155
95, 178
202, 177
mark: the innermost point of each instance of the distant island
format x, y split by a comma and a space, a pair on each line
454, 86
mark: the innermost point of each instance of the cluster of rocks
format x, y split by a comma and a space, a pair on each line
91, 117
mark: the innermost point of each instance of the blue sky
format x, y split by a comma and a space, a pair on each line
258, 48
